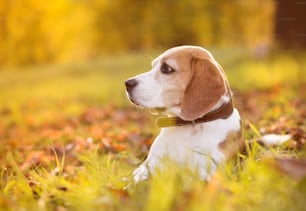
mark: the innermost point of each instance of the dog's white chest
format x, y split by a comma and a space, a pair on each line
195, 146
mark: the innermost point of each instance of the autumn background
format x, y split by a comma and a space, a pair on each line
70, 139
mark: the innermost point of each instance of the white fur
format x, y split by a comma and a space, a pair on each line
194, 145
151, 92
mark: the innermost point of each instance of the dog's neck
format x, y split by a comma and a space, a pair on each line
223, 112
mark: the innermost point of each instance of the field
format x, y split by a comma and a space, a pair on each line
70, 139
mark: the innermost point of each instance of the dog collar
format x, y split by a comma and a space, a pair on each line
221, 113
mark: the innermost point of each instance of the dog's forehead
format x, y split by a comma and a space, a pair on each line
180, 53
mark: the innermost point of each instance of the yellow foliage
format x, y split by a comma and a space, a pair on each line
35, 31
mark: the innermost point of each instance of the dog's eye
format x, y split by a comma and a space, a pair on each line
166, 69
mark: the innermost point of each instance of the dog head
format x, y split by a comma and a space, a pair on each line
184, 81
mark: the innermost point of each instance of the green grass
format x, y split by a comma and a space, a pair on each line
102, 81
37, 100
102, 184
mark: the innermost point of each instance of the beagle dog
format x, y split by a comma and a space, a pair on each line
200, 129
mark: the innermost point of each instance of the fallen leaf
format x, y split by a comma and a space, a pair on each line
274, 139
294, 168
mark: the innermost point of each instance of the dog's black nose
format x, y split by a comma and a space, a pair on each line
130, 84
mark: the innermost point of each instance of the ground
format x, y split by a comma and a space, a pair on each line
70, 139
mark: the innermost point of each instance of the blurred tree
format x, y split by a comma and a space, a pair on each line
147, 24
290, 29
21, 32
245, 22
34, 31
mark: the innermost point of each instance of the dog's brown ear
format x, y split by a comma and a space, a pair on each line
204, 90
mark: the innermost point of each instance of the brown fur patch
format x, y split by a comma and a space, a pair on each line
232, 144
204, 90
